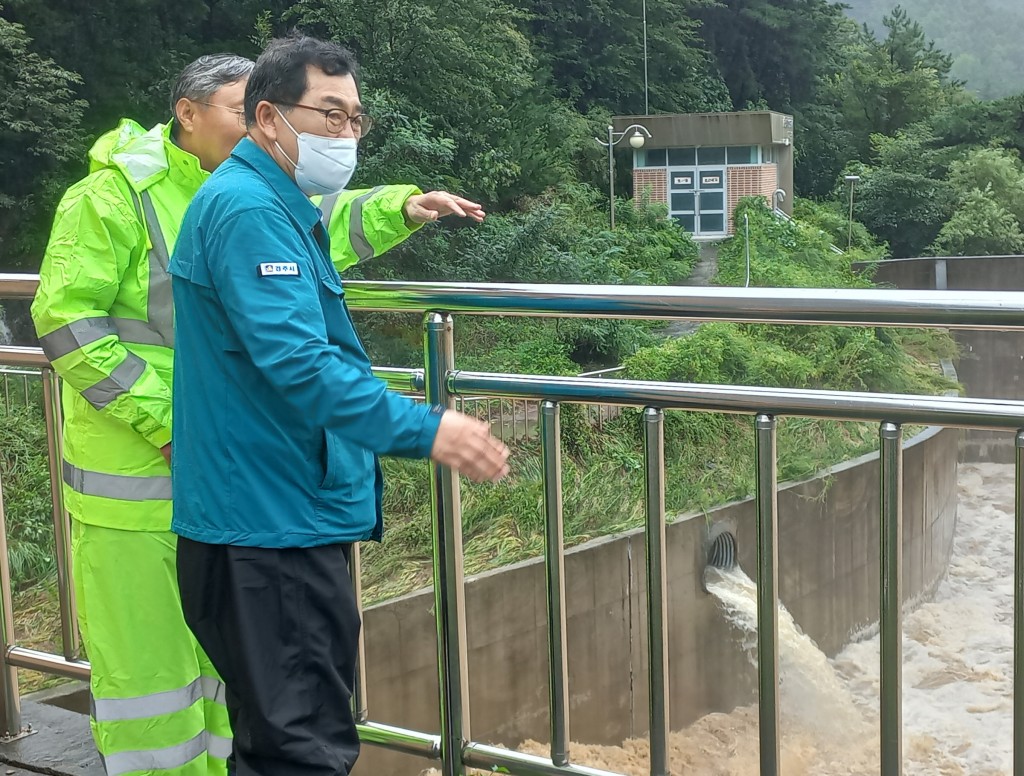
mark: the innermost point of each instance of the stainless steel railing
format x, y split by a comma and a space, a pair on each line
454, 747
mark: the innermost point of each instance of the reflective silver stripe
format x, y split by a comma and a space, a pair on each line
120, 381
136, 332
327, 208
218, 746
157, 703
356, 235
152, 705
155, 759
213, 689
77, 334
119, 486
160, 324
161, 301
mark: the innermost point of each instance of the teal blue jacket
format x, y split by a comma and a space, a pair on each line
278, 420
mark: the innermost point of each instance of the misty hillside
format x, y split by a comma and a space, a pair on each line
983, 36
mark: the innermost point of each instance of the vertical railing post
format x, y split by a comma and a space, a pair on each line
767, 594
554, 566
10, 707
61, 526
891, 603
449, 592
1018, 608
657, 587
359, 709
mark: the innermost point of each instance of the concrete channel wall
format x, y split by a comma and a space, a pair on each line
829, 580
991, 363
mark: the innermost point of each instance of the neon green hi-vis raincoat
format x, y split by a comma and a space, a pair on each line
104, 316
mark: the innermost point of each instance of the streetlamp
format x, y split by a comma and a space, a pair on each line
636, 140
852, 180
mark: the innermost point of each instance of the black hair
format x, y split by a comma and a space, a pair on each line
280, 72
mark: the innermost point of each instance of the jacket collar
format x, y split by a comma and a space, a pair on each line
297, 203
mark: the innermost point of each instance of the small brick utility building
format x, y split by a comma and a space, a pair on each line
702, 164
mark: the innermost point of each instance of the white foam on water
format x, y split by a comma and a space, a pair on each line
958, 648
957, 659
813, 695
5, 331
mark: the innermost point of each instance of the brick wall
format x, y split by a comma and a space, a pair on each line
654, 180
756, 180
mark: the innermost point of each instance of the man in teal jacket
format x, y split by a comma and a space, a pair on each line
279, 422
104, 316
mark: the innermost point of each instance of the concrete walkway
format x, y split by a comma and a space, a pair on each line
707, 266
61, 744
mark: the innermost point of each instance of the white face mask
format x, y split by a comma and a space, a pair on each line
325, 164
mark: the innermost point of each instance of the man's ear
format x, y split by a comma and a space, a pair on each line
185, 114
266, 120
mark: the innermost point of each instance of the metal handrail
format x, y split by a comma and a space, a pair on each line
824, 306
442, 384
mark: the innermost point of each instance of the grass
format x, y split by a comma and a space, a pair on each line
37, 626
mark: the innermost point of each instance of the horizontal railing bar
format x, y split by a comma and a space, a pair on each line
13, 355
871, 306
400, 740
34, 660
18, 286
749, 400
495, 759
401, 380
862, 306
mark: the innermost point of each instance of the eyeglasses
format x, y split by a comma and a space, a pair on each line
336, 119
239, 112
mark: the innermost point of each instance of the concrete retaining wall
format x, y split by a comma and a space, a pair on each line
828, 559
991, 365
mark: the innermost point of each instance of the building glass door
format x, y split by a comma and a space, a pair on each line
697, 199
683, 197
711, 219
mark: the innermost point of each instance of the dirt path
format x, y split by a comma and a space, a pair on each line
707, 266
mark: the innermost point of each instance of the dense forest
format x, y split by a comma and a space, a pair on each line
982, 36
501, 99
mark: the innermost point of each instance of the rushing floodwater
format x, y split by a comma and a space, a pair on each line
5, 332
957, 673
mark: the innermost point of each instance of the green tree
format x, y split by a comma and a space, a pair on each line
128, 52
981, 36
894, 82
981, 226
594, 52
466, 74
904, 208
40, 140
773, 51
995, 172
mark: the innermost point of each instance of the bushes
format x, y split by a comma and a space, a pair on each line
25, 475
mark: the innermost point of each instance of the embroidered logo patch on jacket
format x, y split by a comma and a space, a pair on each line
269, 268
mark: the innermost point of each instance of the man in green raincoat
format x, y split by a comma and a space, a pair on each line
105, 319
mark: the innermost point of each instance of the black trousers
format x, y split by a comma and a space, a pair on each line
282, 628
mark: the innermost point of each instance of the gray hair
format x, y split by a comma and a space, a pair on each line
206, 75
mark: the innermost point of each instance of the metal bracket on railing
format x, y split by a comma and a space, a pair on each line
25, 732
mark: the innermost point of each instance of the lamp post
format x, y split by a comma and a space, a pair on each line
852, 180
647, 106
636, 140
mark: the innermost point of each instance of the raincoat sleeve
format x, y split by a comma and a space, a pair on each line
364, 223
95, 234
281, 326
